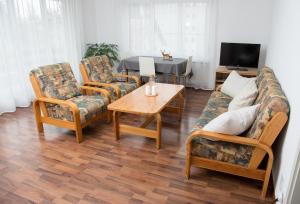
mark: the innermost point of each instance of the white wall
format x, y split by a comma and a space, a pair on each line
237, 21
246, 21
283, 57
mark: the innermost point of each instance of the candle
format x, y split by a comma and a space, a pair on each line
153, 91
148, 91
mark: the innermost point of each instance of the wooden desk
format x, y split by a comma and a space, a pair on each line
138, 103
222, 73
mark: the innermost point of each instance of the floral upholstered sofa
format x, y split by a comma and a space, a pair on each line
97, 71
61, 101
240, 154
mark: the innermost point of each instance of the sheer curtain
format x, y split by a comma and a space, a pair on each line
35, 33
181, 27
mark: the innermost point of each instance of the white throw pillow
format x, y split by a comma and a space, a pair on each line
245, 98
235, 83
233, 122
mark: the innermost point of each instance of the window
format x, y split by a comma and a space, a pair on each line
26, 9
176, 26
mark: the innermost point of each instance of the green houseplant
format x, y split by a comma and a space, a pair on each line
97, 49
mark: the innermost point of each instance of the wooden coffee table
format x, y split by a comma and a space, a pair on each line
138, 103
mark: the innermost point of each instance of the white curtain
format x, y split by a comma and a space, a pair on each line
180, 27
35, 33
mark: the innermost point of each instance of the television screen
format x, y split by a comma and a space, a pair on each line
239, 55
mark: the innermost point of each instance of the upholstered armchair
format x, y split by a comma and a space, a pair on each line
97, 72
62, 102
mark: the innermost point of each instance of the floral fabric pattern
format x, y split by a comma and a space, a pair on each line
272, 100
222, 151
98, 69
133, 73
125, 88
218, 150
89, 106
57, 81
216, 105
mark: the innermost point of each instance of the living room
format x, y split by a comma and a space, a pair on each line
149, 101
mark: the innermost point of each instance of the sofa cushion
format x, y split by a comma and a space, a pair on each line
222, 151
57, 81
272, 100
245, 98
125, 88
216, 105
98, 69
233, 122
88, 106
234, 84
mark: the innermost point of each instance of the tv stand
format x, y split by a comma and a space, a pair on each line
237, 68
222, 73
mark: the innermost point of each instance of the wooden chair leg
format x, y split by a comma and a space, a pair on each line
37, 114
79, 134
158, 129
188, 168
188, 161
109, 116
39, 125
116, 124
181, 103
267, 178
174, 79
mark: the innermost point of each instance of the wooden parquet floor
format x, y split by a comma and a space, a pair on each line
55, 169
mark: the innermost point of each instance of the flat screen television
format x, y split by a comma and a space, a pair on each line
235, 55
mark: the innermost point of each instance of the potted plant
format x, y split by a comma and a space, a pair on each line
98, 49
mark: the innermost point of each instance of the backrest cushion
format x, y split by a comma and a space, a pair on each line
57, 81
98, 69
272, 100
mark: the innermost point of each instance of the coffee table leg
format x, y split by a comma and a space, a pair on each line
116, 124
158, 129
181, 102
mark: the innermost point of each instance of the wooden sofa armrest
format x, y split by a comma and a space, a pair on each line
135, 78
70, 104
228, 138
99, 90
98, 84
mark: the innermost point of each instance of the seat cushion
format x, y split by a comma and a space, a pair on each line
217, 150
98, 69
216, 105
125, 88
57, 81
88, 106
222, 151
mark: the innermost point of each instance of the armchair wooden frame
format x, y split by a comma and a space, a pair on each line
41, 114
262, 146
116, 89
